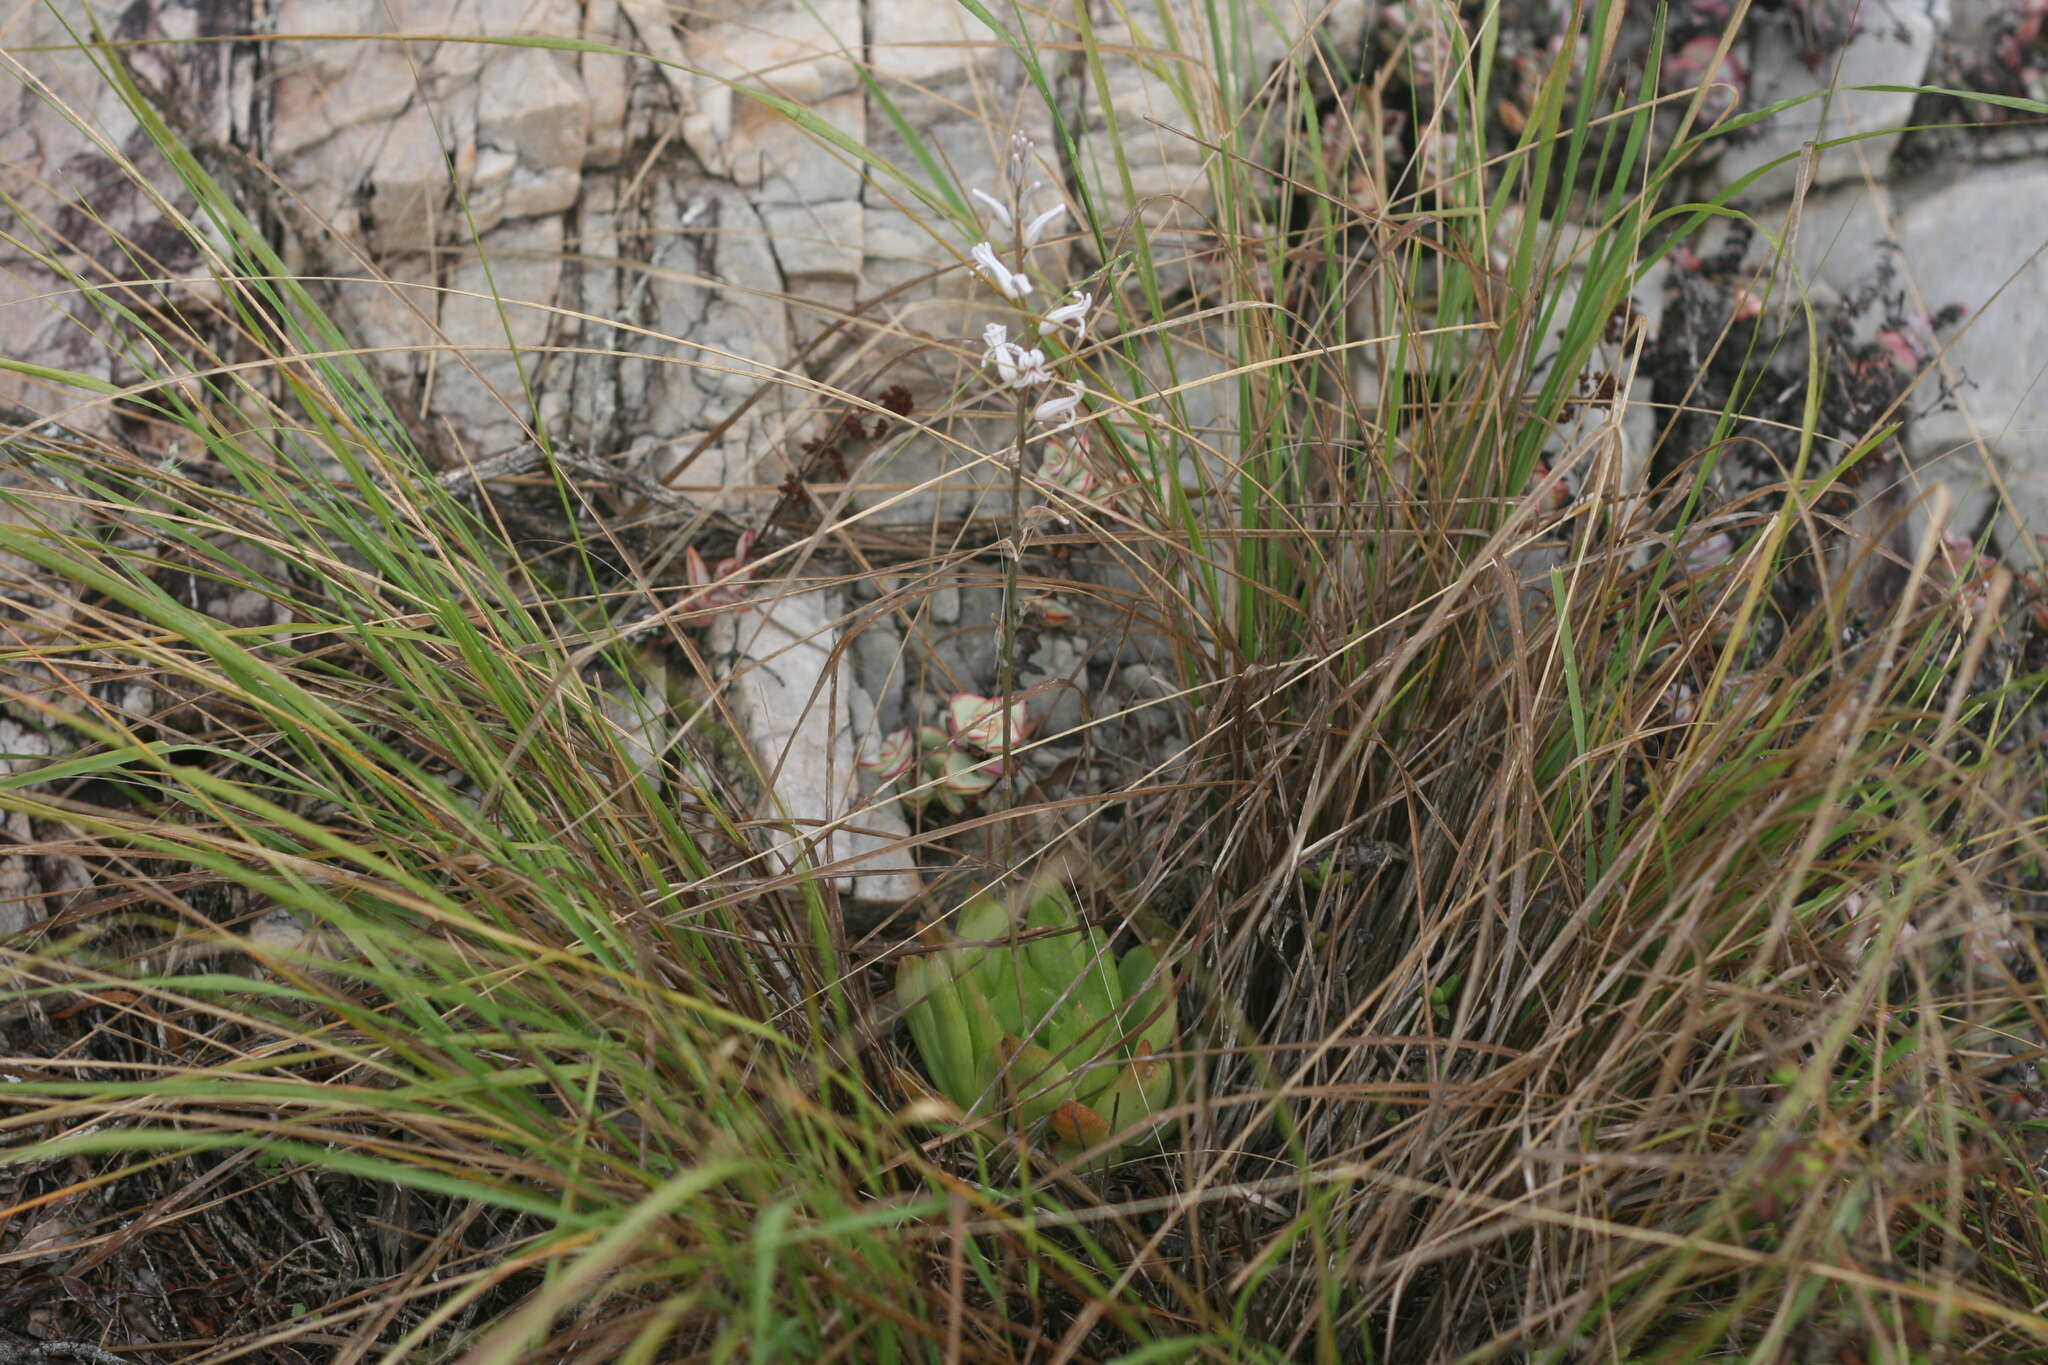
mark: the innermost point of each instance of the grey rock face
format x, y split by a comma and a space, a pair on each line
1890, 44
793, 696
1980, 243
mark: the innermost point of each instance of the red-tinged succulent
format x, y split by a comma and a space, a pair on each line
965, 760
963, 777
1050, 612
1066, 463
893, 757
978, 722
722, 589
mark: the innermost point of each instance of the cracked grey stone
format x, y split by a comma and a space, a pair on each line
1169, 179
64, 186
792, 694
1147, 694
817, 241
1060, 667
920, 478
2002, 347
1892, 44
533, 107
714, 297
882, 669
644, 723
968, 652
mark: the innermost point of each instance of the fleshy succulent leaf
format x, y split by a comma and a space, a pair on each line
950, 1058
1155, 1078
911, 986
1135, 971
1153, 1008
964, 710
1077, 1125
1036, 1021
1037, 1079
978, 721
1097, 991
1058, 950
983, 918
984, 1036
1140, 1090
892, 757
970, 776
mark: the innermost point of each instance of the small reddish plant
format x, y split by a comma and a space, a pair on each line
961, 762
715, 591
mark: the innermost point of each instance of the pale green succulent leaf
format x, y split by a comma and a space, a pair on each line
1039, 1081
1135, 971
1039, 1021
1097, 992
1058, 950
1153, 1010
984, 917
985, 1035
948, 1039
911, 985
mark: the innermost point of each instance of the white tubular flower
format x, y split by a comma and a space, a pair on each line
1031, 369
995, 206
1016, 367
1035, 229
1061, 410
1073, 315
1002, 353
1009, 283
1008, 362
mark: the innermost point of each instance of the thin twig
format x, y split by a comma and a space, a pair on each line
59, 1350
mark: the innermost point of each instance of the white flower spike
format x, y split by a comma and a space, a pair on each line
1011, 284
1035, 229
1073, 315
995, 206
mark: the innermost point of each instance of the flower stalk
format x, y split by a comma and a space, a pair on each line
1022, 370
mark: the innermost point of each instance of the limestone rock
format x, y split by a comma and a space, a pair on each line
70, 152
816, 241
926, 42
502, 312
713, 300
1977, 239
1147, 99
1892, 44
1059, 667
33, 883
798, 52
792, 694
879, 668
531, 106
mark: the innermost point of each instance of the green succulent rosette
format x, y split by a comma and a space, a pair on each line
1039, 1023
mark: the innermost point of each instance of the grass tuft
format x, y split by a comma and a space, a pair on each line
1605, 891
